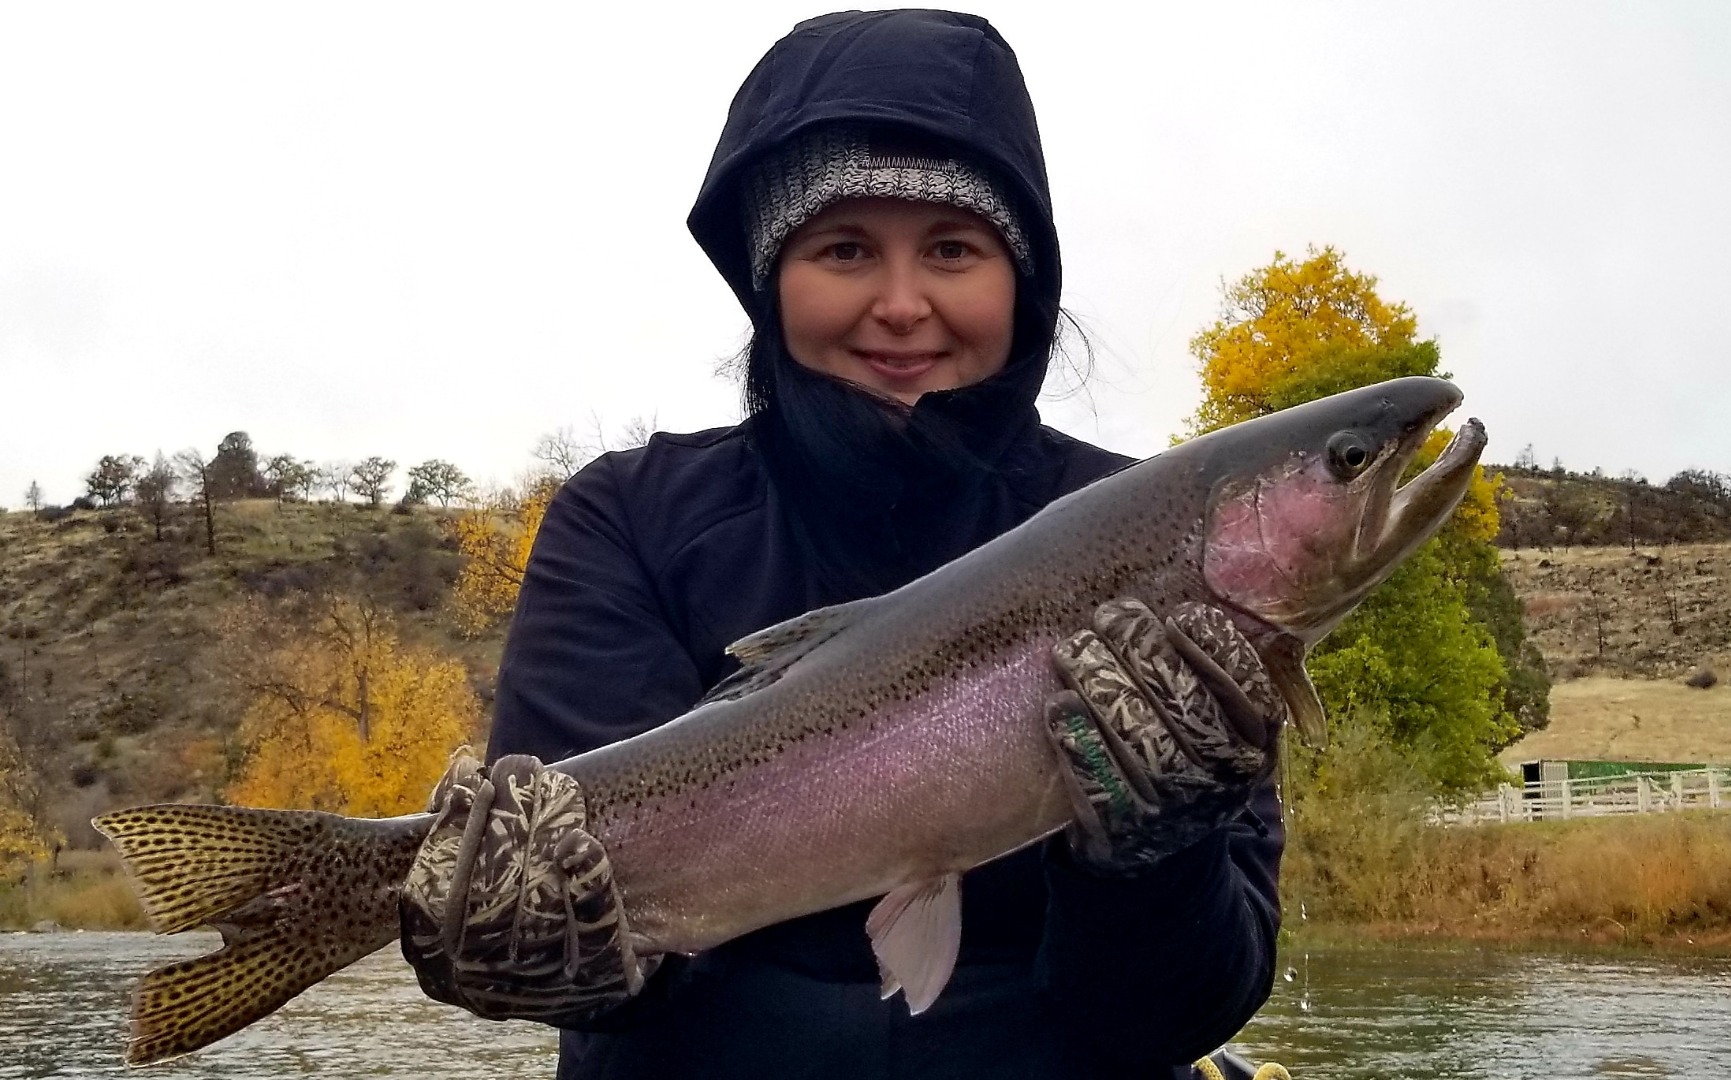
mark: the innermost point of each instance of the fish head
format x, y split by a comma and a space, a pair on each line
1310, 513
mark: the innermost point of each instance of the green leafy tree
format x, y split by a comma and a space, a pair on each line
1427, 657
1417, 658
1703, 484
436, 479
234, 471
113, 479
372, 479
287, 477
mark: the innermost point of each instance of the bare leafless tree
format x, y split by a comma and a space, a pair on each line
636, 432
194, 469
26, 741
563, 452
333, 476
1596, 607
156, 492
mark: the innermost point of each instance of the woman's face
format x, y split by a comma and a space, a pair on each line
901, 297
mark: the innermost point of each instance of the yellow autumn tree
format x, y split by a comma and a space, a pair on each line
1436, 654
23, 836
495, 539
347, 718
1293, 323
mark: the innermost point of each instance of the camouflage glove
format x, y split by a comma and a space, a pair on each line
1166, 727
509, 909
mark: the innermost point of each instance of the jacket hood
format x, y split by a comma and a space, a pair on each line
941, 75
878, 493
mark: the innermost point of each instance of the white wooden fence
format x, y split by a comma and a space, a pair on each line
1594, 796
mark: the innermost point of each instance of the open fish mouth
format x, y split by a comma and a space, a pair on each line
1423, 502
1399, 517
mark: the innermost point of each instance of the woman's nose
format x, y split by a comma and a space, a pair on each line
902, 301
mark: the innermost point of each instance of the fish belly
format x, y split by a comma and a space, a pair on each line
954, 777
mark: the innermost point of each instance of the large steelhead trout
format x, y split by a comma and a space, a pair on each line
877, 748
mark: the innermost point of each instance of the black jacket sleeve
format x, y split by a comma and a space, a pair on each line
591, 657
1168, 965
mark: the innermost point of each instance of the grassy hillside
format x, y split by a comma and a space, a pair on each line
1626, 590
1547, 508
111, 643
1621, 632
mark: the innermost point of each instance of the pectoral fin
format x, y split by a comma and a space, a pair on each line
1285, 662
916, 931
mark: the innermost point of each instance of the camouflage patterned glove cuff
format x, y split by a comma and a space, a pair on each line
510, 910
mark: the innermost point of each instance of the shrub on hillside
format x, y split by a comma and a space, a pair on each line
153, 566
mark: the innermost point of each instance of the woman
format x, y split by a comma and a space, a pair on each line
878, 203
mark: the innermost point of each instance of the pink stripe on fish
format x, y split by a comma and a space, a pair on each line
698, 868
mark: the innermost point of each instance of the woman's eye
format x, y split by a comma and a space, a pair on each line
950, 250
846, 251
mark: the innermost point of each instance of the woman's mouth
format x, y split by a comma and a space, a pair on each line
899, 367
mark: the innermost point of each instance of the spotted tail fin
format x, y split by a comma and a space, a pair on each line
296, 894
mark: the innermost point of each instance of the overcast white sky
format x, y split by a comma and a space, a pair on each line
424, 230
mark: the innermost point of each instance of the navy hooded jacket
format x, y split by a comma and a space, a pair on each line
651, 561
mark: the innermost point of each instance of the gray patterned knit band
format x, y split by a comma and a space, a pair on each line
824, 167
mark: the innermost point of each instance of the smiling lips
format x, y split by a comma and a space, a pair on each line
899, 367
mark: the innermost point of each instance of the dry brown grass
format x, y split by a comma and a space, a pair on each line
1604, 718
1658, 613
1546, 605
1615, 879
1646, 873
87, 890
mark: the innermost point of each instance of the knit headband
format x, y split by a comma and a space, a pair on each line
824, 167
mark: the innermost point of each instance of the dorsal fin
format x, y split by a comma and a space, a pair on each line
765, 655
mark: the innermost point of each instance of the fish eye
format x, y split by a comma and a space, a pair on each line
1348, 454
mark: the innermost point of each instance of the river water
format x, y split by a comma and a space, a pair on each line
1383, 1012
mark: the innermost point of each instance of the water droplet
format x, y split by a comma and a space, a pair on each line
1303, 914
1291, 973
1304, 1003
